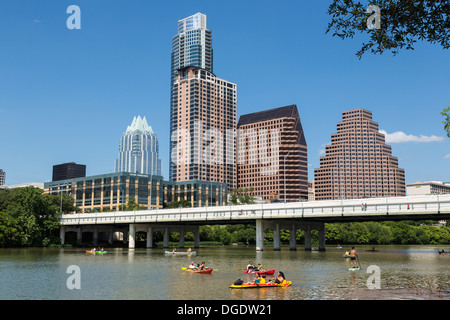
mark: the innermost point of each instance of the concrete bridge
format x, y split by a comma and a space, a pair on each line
292, 216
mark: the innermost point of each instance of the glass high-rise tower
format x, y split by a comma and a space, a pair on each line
139, 149
192, 45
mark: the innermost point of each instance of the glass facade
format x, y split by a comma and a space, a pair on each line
139, 149
107, 192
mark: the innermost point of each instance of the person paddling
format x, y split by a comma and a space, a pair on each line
353, 257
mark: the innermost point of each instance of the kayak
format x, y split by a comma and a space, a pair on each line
181, 252
269, 272
444, 253
209, 270
346, 256
96, 252
259, 286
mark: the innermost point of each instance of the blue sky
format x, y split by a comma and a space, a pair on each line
67, 95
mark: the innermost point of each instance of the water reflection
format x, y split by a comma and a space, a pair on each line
150, 274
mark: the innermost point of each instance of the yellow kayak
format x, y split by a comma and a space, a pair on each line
259, 286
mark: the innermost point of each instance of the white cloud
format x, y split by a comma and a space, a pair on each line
447, 156
399, 137
322, 150
36, 21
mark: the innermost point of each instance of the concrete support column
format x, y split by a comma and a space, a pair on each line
322, 237
276, 237
197, 237
259, 235
182, 238
79, 236
293, 238
131, 236
95, 237
308, 237
166, 237
110, 236
150, 237
62, 234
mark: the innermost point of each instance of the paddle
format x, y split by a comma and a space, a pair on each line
357, 258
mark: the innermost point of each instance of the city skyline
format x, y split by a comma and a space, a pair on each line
62, 82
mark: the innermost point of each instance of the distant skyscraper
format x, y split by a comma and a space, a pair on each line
2, 177
139, 149
272, 154
202, 128
192, 45
358, 163
68, 170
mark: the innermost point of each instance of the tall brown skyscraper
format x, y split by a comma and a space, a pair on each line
272, 154
358, 163
203, 128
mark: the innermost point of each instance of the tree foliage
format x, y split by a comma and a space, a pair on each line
446, 114
30, 218
403, 23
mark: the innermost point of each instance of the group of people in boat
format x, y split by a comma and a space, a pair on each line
251, 267
261, 279
197, 267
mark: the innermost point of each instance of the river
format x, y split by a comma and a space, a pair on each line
405, 272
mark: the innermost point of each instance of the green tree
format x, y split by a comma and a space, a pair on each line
179, 204
446, 114
402, 23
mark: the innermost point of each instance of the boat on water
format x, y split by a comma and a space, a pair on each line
180, 252
96, 252
443, 253
208, 270
269, 272
260, 286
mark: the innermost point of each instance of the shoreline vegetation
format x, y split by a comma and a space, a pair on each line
29, 218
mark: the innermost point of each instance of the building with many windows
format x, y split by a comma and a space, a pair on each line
203, 128
68, 171
192, 45
272, 156
427, 188
139, 149
107, 192
2, 177
358, 163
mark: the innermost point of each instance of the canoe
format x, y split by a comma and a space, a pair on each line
209, 270
444, 253
259, 286
269, 272
180, 252
96, 252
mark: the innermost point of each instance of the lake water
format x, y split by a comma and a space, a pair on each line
405, 272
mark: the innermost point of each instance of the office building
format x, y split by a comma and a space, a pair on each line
192, 45
139, 149
202, 128
358, 162
107, 192
272, 154
427, 188
2, 177
68, 170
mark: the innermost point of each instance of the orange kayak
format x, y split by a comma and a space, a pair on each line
209, 270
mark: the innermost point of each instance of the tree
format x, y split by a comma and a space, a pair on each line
446, 114
241, 196
180, 204
402, 23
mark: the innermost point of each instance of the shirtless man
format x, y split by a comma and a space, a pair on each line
353, 256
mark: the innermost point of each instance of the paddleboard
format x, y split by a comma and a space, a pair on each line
354, 269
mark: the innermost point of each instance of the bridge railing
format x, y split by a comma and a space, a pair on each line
414, 205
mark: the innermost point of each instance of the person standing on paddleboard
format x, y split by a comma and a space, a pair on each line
353, 256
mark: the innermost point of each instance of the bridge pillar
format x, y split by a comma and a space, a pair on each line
166, 237
95, 237
293, 238
131, 236
276, 237
308, 237
196, 237
181, 237
259, 235
79, 236
322, 237
62, 234
150, 237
